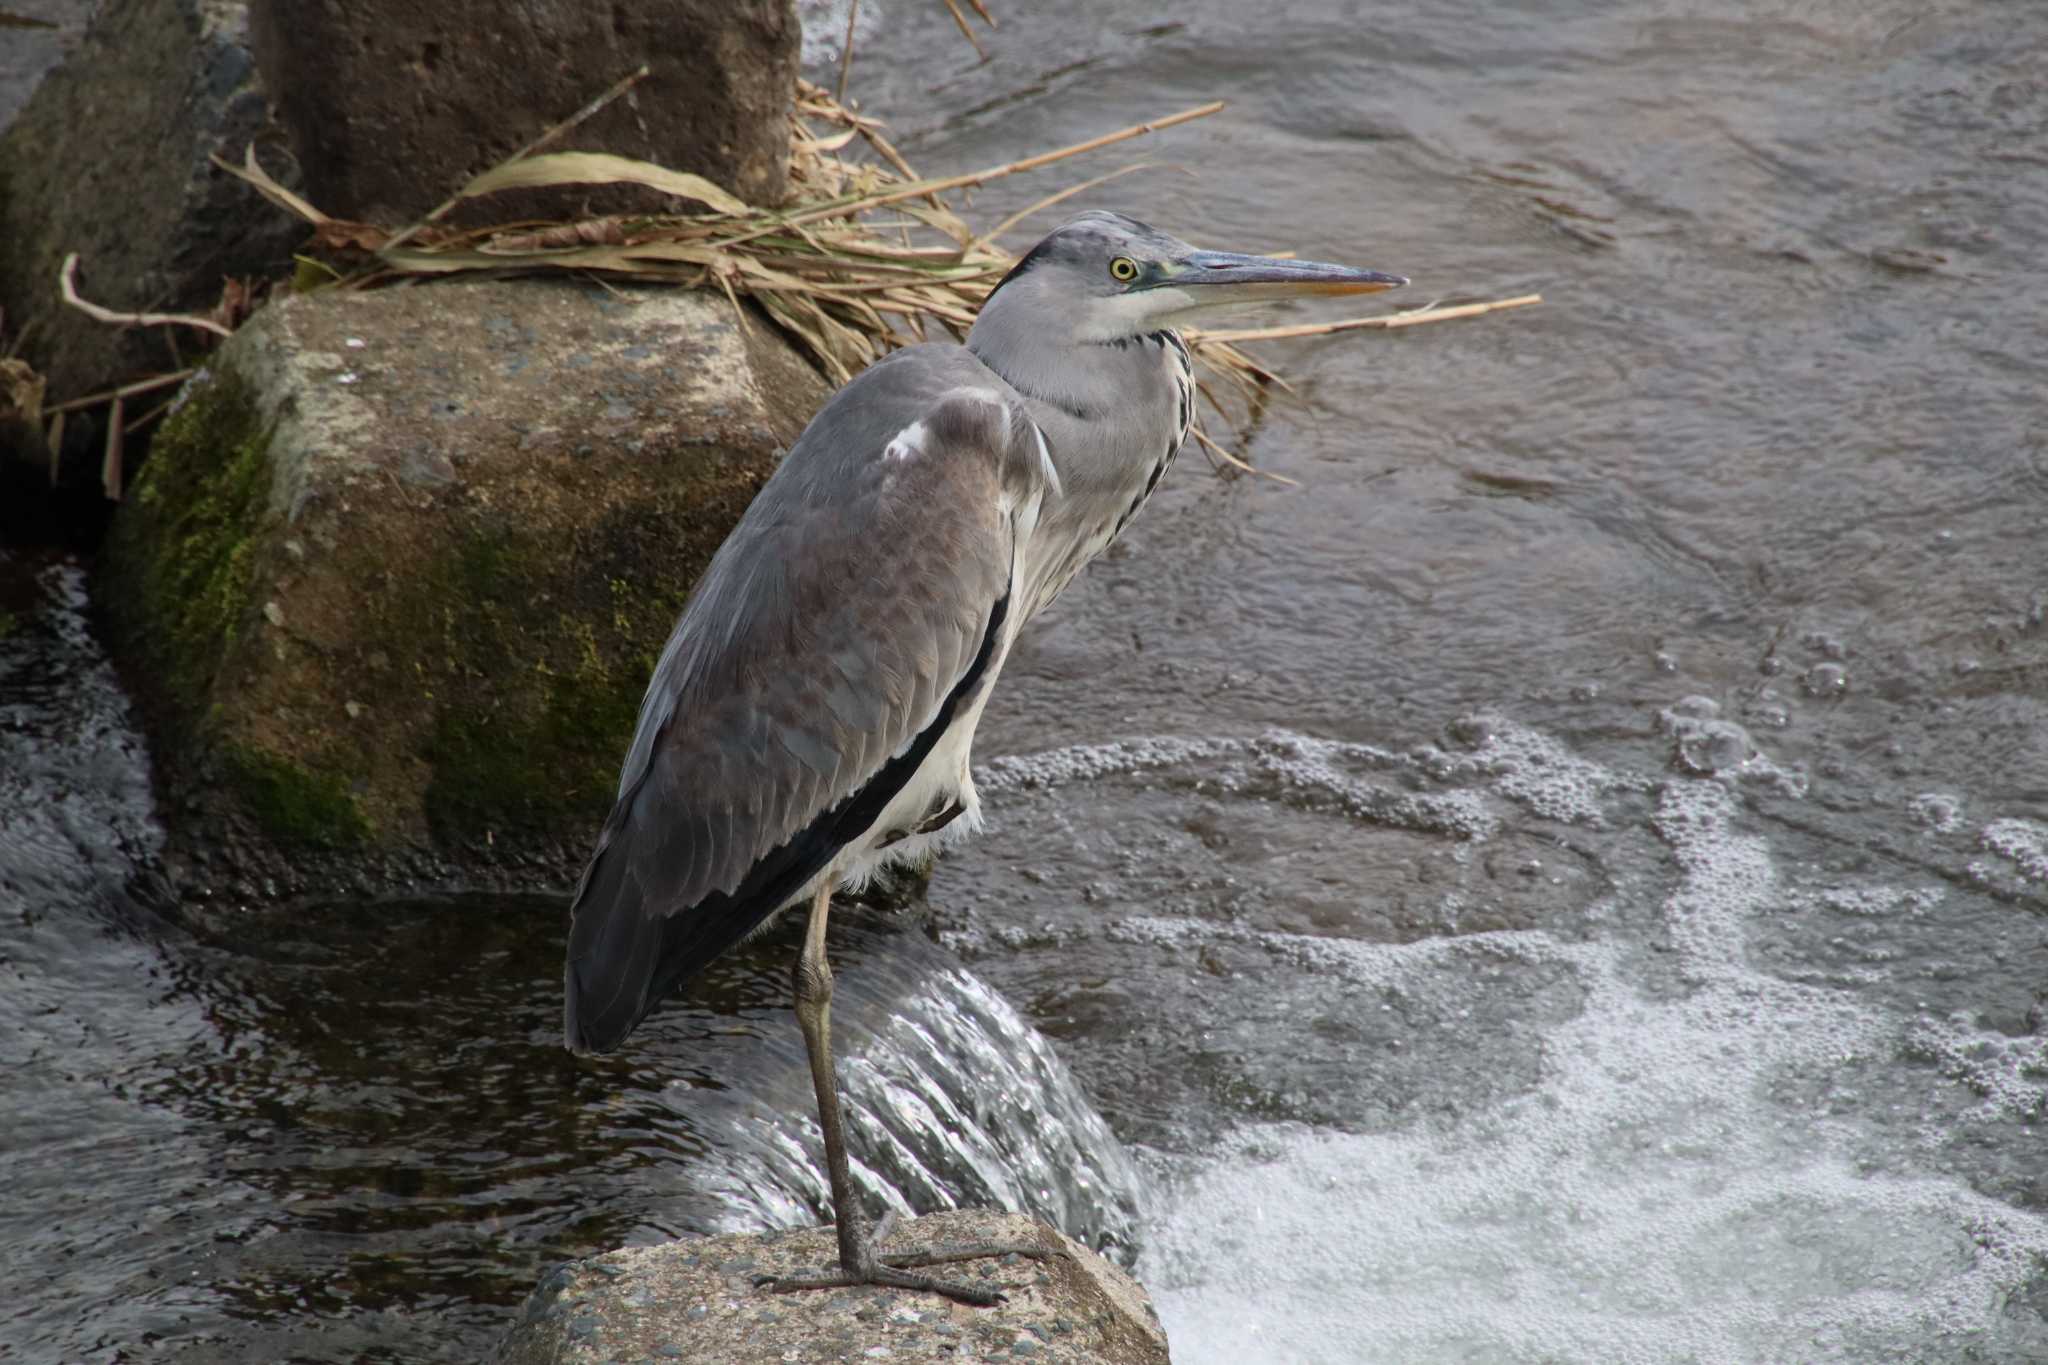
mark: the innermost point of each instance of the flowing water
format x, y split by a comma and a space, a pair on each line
1567, 882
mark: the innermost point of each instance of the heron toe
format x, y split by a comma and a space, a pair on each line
976, 1296
891, 1270
978, 1251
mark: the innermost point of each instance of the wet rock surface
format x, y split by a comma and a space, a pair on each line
392, 581
1690, 1063
390, 107
700, 1301
108, 158
377, 111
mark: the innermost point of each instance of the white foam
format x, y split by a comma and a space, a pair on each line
2022, 843
1315, 774
1085, 762
1541, 773
2009, 1074
1662, 1194
1516, 1241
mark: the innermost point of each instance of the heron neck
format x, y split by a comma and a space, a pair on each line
1111, 417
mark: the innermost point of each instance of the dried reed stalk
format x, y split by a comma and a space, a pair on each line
1387, 321
868, 256
845, 280
67, 285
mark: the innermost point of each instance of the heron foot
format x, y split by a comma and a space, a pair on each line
892, 1270
974, 1251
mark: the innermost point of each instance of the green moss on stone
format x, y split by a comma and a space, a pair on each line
531, 726
181, 568
9, 623
183, 547
498, 637
293, 804
551, 770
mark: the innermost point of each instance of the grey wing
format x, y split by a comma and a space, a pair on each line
861, 599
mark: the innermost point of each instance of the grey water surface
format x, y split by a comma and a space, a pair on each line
1565, 880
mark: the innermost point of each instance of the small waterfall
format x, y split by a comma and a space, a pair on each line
952, 1100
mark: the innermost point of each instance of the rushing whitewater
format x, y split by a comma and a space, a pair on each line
1710, 1158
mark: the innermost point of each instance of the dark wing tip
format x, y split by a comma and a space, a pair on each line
635, 936
614, 944
583, 1032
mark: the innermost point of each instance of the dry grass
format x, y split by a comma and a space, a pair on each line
867, 255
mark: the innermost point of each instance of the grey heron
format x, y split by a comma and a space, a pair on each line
811, 716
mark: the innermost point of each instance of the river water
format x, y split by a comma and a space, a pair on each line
1566, 882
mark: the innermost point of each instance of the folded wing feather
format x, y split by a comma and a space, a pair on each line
858, 601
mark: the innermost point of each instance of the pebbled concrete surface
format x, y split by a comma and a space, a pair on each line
698, 1301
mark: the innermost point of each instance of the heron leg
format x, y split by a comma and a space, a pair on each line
814, 1017
858, 1263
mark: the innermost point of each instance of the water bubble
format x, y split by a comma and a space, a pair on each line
1470, 731
1712, 746
1702, 743
1939, 811
1694, 708
1828, 681
1766, 709
1825, 645
1543, 775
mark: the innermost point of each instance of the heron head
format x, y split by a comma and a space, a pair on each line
1101, 276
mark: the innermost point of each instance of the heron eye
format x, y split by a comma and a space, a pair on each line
1123, 270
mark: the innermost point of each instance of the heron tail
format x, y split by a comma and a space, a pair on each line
614, 945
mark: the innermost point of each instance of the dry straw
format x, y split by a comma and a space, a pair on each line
867, 255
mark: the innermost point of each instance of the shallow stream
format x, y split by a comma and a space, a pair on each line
1568, 881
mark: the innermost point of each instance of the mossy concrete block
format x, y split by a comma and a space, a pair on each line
388, 107
377, 111
393, 578
698, 1301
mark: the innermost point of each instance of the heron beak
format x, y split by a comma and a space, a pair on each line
1235, 278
